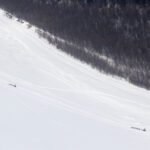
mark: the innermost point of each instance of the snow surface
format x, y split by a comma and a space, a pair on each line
62, 104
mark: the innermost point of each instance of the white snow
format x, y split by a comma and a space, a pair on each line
62, 104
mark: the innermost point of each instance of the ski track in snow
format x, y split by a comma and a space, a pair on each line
46, 78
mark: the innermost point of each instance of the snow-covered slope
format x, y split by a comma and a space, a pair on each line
60, 103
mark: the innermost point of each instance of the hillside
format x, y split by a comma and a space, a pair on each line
50, 101
112, 36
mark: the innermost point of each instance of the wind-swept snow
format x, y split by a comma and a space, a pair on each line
61, 104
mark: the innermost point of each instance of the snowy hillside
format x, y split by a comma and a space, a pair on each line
61, 104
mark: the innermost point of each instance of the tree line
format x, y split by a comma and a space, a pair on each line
94, 30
